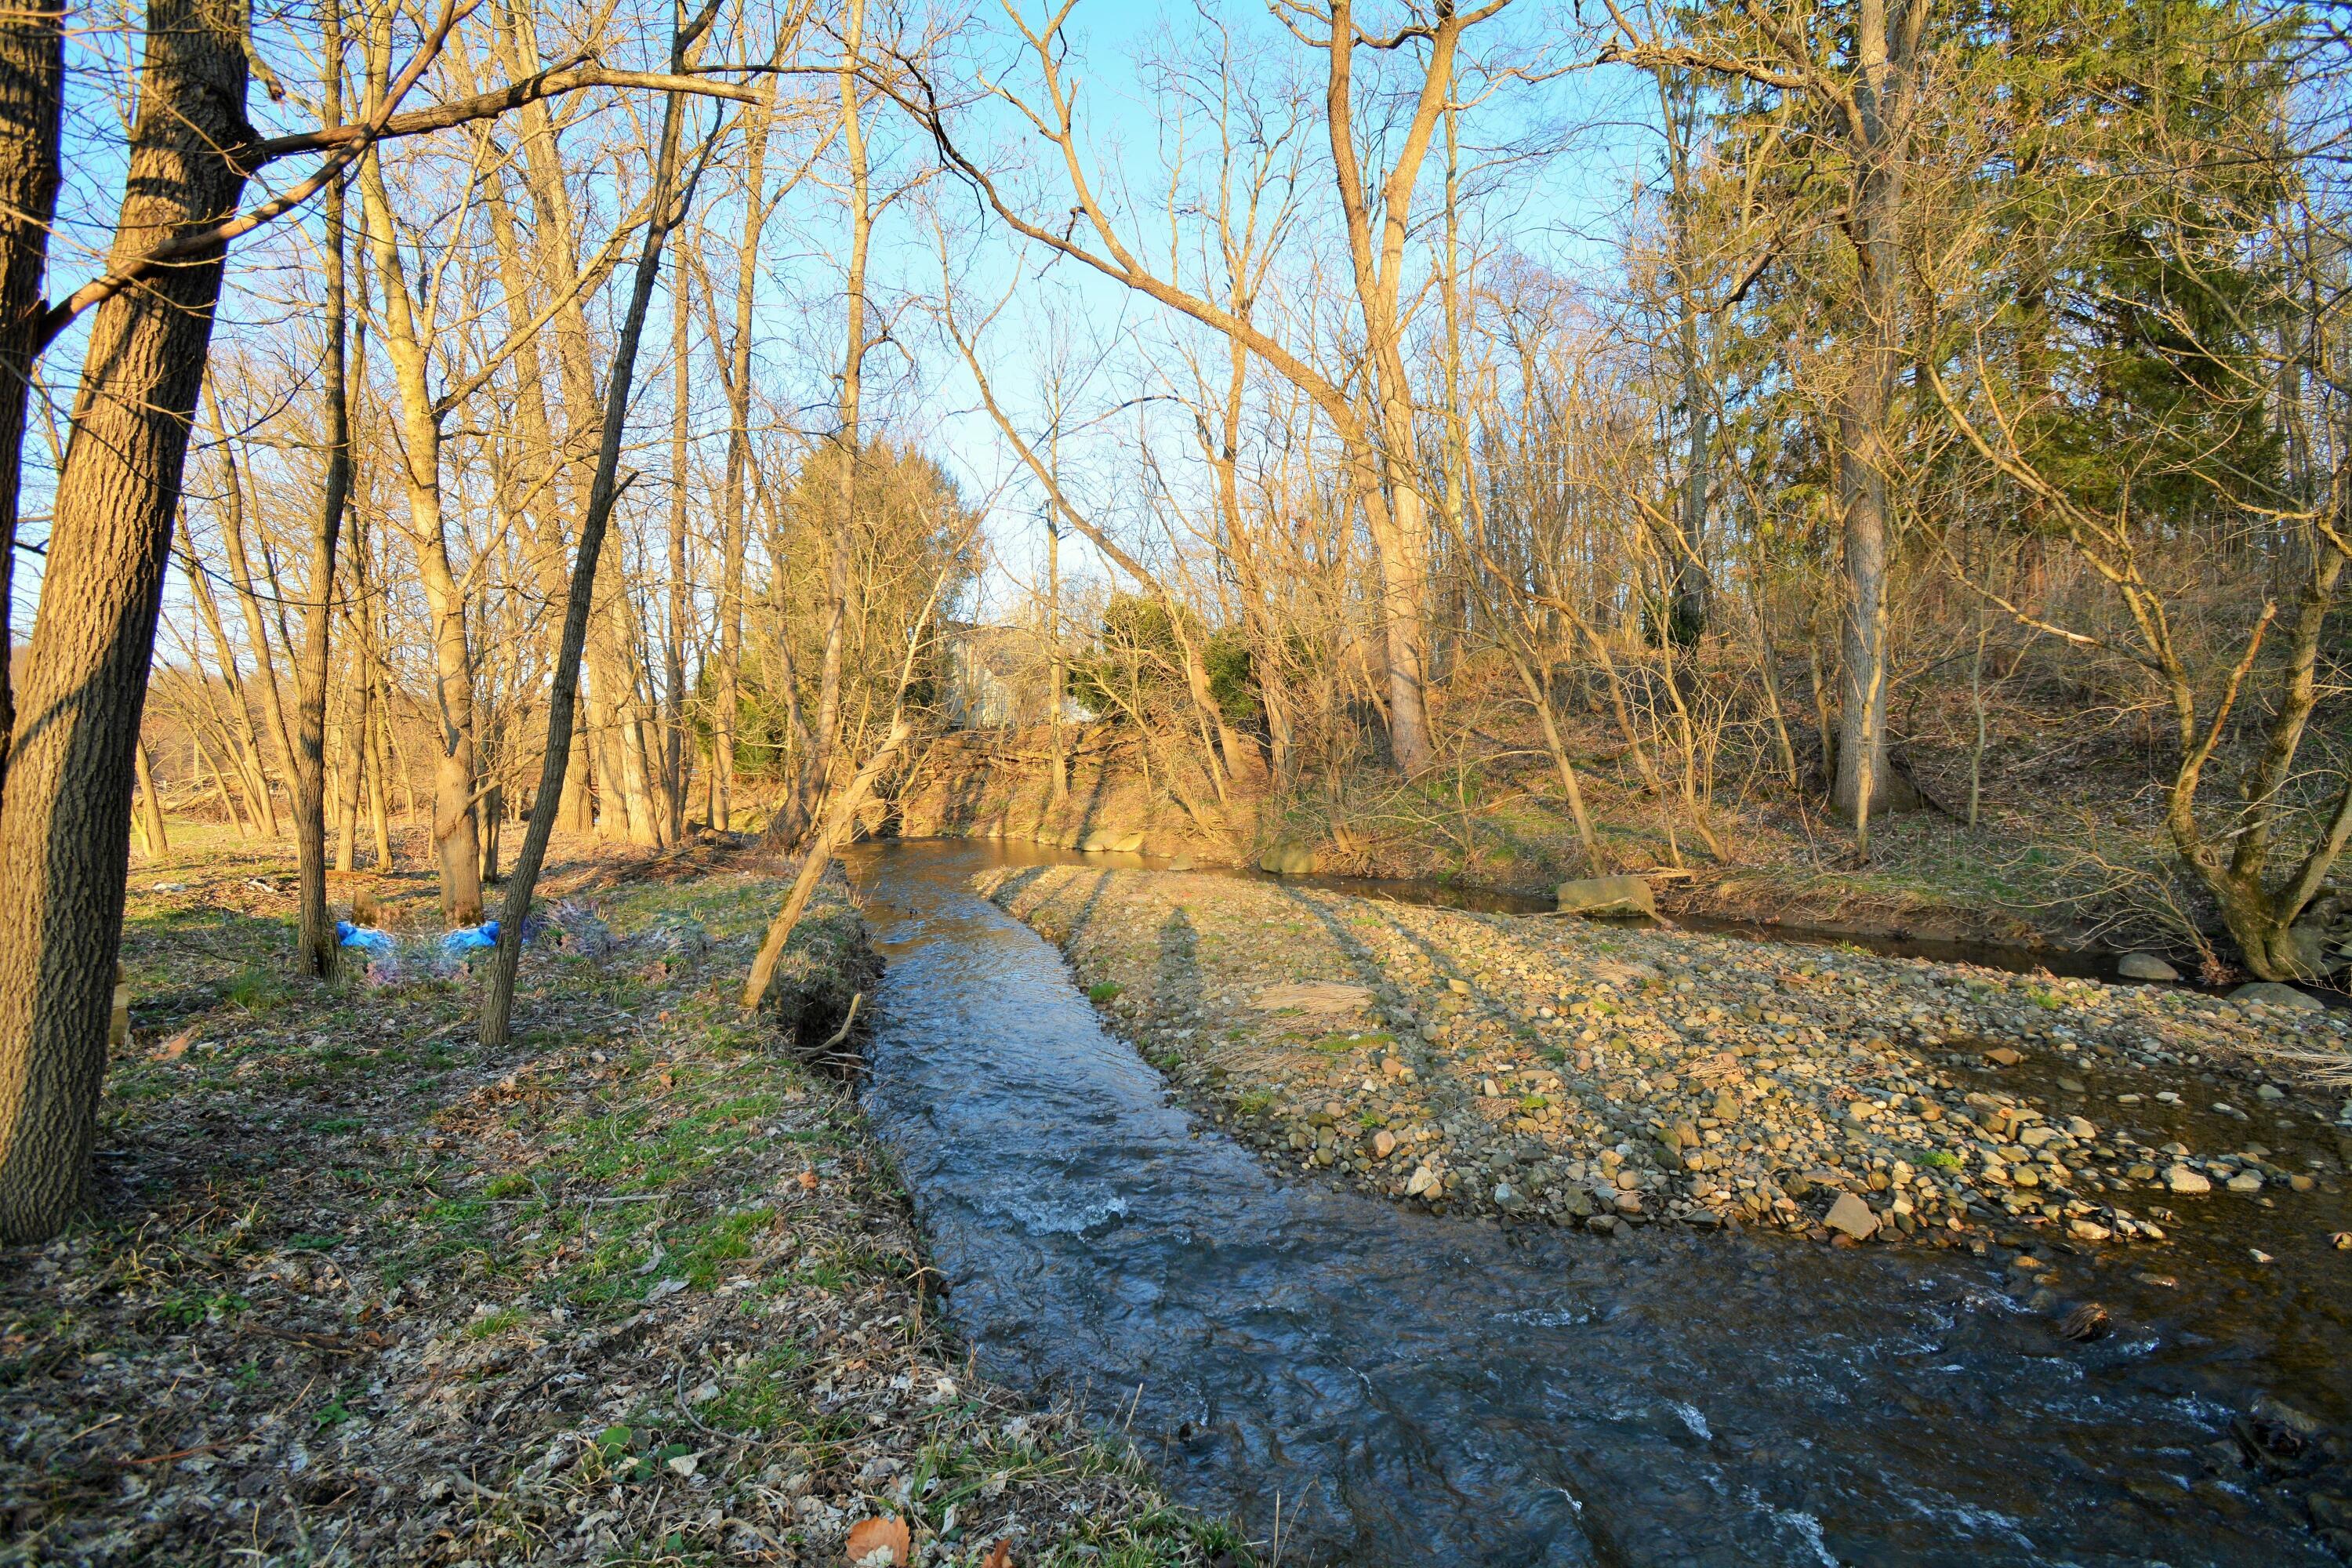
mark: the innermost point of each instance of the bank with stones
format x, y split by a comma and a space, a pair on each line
1580, 1073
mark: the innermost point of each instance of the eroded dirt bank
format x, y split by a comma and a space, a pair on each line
642, 1287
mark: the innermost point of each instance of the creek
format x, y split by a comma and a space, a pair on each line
1371, 1386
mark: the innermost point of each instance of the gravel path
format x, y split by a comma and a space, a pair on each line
1582, 1073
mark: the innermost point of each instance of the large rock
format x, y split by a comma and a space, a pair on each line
2277, 996
2181, 1179
1289, 860
1852, 1216
2314, 953
2145, 967
1606, 896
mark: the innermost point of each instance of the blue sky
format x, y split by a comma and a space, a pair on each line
1557, 206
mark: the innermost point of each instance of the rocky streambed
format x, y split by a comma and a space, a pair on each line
1570, 1071
1215, 1245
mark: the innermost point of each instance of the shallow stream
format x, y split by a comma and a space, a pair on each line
1381, 1386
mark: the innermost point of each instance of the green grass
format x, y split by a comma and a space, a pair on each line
1103, 991
490, 1325
257, 990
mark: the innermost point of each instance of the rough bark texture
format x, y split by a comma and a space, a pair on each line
65, 824
32, 77
315, 939
1886, 48
457, 844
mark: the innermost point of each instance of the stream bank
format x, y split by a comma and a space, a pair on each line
1936, 888
1577, 1072
1395, 1385
639, 1288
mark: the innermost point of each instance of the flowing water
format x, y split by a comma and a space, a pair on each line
1392, 1387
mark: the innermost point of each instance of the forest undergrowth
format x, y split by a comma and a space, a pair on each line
640, 1289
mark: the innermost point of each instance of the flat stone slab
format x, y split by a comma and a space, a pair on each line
2145, 967
1852, 1216
2277, 996
1325, 996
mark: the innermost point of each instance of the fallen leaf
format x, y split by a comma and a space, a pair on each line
869, 1538
176, 1047
999, 1555
808, 1179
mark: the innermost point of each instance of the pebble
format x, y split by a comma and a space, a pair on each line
1583, 1073
1851, 1215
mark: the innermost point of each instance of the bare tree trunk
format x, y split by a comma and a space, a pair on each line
819, 773
64, 822
1057, 779
613, 740
735, 516
358, 719
1687, 595
1866, 403
826, 839
456, 847
727, 698
673, 747
539, 438
151, 806
379, 778
667, 211
1539, 697
32, 86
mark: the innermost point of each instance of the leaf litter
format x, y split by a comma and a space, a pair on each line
641, 1287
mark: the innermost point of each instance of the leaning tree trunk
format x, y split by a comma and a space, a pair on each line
65, 824
32, 78
665, 214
